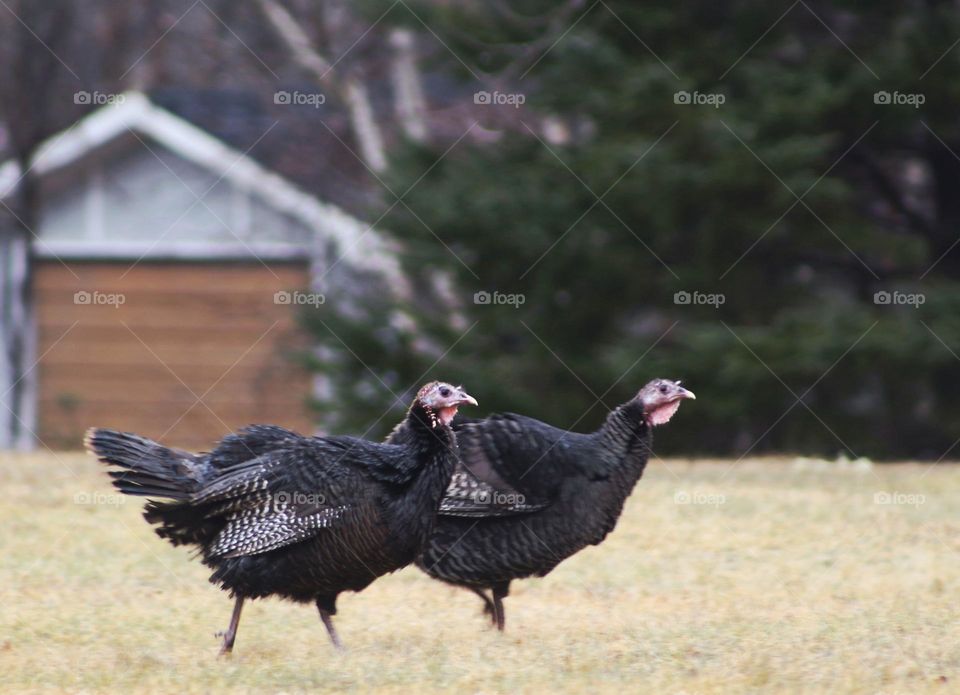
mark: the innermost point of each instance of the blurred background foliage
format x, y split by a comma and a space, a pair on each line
598, 199
797, 199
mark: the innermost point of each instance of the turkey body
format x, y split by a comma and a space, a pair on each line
274, 513
525, 496
345, 512
572, 488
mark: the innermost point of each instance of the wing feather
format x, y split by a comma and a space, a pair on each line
286, 495
496, 456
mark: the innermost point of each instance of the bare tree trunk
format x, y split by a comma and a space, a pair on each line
322, 388
32, 95
349, 88
17, 409
410, 104
7, 368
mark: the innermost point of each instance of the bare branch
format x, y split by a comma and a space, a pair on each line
349, 88
890, 191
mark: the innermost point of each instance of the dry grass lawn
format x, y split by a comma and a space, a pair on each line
771, 576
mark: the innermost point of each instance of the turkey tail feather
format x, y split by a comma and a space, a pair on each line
147, 468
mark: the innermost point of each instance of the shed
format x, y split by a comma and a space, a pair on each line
168, 270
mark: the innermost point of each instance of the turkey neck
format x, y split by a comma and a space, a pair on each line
435, 455
626, 439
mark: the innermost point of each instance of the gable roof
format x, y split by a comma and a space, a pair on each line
313, 147
358, 243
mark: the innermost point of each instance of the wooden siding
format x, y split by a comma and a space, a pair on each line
183, 331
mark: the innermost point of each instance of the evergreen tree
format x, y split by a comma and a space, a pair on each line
735, 152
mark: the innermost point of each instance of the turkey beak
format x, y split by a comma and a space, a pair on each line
684, 393
467, 398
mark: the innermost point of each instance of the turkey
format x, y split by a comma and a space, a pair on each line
303, 518
526, 496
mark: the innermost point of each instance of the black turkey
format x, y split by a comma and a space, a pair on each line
526, 495
304, 518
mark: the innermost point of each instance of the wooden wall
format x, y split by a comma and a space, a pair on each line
183, 331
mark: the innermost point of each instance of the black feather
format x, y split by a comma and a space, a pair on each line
276, 513
552, 493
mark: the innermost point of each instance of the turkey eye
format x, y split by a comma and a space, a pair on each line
444, 392
663, 388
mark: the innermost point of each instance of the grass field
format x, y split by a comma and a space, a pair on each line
771, 576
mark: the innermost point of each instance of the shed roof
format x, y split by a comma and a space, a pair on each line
358, 243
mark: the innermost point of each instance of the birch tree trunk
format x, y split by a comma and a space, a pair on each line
410, 104
348, 86
17, 377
